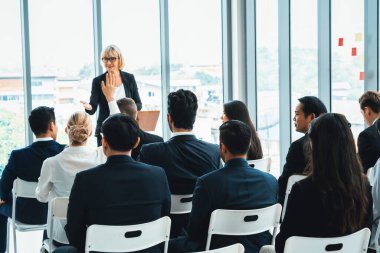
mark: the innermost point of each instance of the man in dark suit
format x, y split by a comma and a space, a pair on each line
369, 139
236, 186
120, 192
308, 108
26, 164
183, 157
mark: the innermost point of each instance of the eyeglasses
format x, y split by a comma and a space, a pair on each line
111, 59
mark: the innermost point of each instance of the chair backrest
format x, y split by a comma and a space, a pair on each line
181, 204
353, 243
263, 164
128, 238
236, 248
22, 189
291, 181
57, 211
243, 222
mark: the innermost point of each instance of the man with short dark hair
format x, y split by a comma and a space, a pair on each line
26, 164
236, 186
183, 157
308, 108
369, 139
128, 106
120, 192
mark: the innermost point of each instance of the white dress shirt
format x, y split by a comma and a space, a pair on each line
375, 180
58, 174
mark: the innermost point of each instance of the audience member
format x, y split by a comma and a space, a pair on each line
236, 186
127, 106
26, 164
369, 139
375, 177
335, 200
237, 110
308, 108
58, 172
183, 157
120, 192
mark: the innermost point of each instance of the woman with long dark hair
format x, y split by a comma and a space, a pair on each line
335, 200
237, 110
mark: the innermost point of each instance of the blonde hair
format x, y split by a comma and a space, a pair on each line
114, 51
79, 128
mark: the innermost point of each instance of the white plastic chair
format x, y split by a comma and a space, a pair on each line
236, 248
57, 213
291, 181
23, 189
244, 222
263, 164
181, 204
129, 238
353, 243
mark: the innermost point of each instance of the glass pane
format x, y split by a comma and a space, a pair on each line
267, 80
12, 125
304, 52
347, 60
61, 46
196, 59
134, 26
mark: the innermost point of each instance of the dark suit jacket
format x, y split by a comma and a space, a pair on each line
306, 216
145, 138
119, 192
98, 98
295, 164
26, 164
369, 147
236, 186
184, 159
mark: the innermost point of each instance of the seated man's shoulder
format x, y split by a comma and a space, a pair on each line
152, 138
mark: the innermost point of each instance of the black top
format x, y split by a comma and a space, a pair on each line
306, 216
295, 164
145, 138
120, 192
98, 98
26, 164
369, 147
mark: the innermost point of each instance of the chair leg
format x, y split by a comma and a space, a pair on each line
14, 240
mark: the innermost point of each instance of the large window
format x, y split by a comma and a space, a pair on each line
304, 53
196, 59
12, 125
347, 60
61, 47
267, 80
134, 26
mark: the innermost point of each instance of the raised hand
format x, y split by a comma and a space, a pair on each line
109, 88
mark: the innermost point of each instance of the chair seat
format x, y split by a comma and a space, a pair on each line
46, 244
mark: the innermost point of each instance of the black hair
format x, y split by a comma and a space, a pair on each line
370, 99
237, 110
311, 104
40, 118
121, 132
236, 136
182, 107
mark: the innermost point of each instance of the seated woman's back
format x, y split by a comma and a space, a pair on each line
335, 200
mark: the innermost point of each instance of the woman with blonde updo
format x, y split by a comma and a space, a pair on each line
58, 172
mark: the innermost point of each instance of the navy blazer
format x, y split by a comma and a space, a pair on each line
26, 164
184, 158
145, 138
295, 164
98, 98
236, 186
120, 192
306, 215
369, 147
